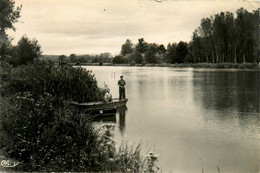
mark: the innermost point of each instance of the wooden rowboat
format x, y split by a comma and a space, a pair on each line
100, 105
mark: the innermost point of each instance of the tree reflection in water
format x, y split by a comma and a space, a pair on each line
229, 96
110, 117
106, 118
122, 113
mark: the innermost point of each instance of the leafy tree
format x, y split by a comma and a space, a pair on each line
181, 51
119, 60
171, 53
8, 16
72, 58
248, 29
127, 48
4, 50
141, 45
189, 57
196, 46
138, 57
206, 31
223, 38
150, 54
230, 37
62, 58
95, 59
27, 50
161, 49
85, 58
105, 57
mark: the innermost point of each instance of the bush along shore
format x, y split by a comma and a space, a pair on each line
193, 65
41, 132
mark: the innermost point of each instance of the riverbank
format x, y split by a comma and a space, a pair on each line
197, 65
55, 124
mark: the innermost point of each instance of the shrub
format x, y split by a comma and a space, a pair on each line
248, 66
44, 138
39, 129
227, 65
120, 60
66, 82
50, 139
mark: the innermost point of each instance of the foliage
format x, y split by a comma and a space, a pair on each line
127, 48
5, 48
119, 60
150, 54
161, 49
43, 133
141, 45
137, 57
181, 52
9, 14
72, 58
62, 58
248, 66
223, 38
44, 138
171, 53
227, 65
66, 82
39, 129
126, 158
25, 52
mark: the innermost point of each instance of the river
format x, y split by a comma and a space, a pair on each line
197, 120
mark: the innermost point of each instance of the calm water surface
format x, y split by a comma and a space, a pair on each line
194, 119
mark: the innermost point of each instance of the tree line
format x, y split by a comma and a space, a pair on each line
222, 38
78, 59
26, 50
225, 38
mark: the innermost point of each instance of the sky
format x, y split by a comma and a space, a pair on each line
93, 27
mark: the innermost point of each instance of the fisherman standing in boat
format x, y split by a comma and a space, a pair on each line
121, 84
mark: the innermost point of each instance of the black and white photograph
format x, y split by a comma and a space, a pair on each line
131, 86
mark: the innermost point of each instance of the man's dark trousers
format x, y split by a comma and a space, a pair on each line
121, 93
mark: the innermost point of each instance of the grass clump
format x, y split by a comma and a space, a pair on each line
126, 158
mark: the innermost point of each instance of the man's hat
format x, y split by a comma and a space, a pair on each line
121, 76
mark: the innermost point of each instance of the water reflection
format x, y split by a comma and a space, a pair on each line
110, 117
228, 91
228, 95
106, 118
122, 115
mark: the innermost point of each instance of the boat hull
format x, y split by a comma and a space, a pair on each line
100, 105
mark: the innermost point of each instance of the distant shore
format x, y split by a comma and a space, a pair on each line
254, 66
